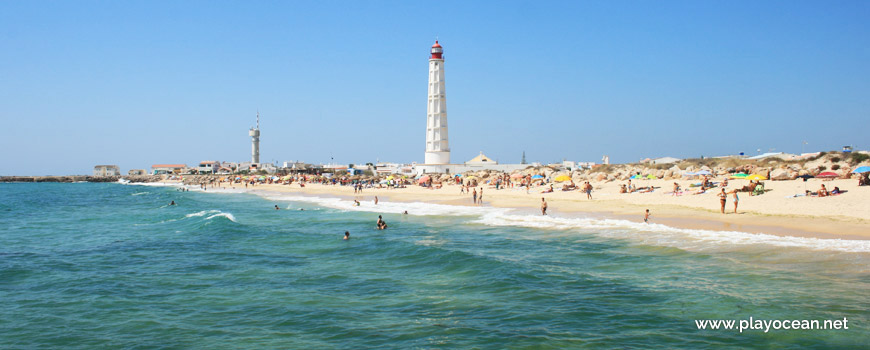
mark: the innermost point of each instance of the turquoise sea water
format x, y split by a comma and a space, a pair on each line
87, 266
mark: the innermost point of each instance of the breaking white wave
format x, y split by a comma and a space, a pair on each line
662, 235
648, 234
225, 215
413, 208
202, 213
212, 214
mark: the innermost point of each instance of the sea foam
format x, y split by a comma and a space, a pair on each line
649, 234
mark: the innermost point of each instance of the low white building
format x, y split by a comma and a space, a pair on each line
107, 170
162, 169
208, 167
665, 160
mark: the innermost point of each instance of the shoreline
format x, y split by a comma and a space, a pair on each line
677, 216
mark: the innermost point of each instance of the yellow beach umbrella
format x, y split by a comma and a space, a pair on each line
756, 177
562, 178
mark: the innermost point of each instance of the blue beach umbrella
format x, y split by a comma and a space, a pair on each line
861, 169
537, 177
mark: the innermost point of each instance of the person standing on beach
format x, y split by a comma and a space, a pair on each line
543, 206
474, 196
588, 190
723, 197
736, 199
480, 199
376, 200
646, 217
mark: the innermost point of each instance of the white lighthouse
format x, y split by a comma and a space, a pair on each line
437, 149
255, 141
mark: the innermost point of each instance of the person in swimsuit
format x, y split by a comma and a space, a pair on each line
543, 206
723, 197
376, 200
736, 199
346, 235
474, 196
276, 207
172, 203
646, 217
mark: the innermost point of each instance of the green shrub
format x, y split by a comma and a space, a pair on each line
835, 159
835, 166
856, 158
822, 168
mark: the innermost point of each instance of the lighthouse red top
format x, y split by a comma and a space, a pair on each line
436, 51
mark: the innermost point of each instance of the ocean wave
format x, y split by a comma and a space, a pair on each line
224, 215
662, 235
211, 214
140, 193
202, 213
413, 208
649, 234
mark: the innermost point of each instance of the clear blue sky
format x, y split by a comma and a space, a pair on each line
139, 83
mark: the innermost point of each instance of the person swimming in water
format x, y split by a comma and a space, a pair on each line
172, 203
382, 225
276, 207
346, 235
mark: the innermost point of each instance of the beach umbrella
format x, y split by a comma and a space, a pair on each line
651, 177
804, 177
703, 172
562, 178
635, 177
739, 176
755, 177
861, 169
537, 177
457, 175
423, 179
689, 173
828, 175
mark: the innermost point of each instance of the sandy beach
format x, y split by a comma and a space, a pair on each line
776, 212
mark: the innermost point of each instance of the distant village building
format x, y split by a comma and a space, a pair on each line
107, 170
135, 172
387, 169
163, 169
208, 167
665, 160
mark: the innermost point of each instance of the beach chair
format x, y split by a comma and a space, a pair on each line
759, 190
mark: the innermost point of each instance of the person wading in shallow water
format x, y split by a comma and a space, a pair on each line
543, 206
